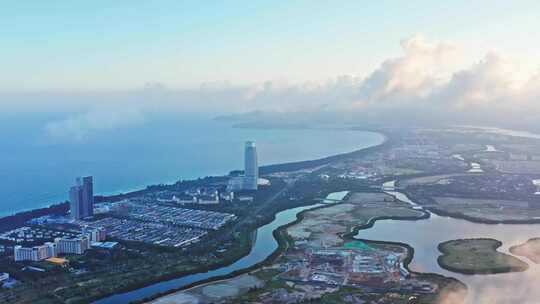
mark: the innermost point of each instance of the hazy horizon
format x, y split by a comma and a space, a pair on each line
68, 66
430, 111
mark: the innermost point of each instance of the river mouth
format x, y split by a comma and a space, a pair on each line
425, 235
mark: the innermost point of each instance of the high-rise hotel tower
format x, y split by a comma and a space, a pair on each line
81, 198
251, 167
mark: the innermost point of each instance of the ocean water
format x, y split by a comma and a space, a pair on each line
35, 172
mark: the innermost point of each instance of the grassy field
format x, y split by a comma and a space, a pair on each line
477, 256
325, 227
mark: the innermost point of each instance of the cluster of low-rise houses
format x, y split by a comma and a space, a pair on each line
202, 195
151, 232
156, 213
207, 195
143, 219
28, 234
149, 219
196, 195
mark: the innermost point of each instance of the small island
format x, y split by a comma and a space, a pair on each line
529, 249
477, 256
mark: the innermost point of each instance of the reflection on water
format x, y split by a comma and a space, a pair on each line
425, 235
335, 197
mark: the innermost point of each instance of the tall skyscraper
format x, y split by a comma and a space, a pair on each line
88, 196
251, 167
75, 199
81, 198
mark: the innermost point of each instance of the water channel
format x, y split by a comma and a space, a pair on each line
265, 245
425, 235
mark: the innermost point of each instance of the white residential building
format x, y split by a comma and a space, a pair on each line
96, 234
36, 253
76, 245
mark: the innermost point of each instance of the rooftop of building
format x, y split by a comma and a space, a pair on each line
57, 261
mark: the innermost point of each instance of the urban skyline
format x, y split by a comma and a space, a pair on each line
270, 152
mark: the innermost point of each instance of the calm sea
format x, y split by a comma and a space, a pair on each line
36, 173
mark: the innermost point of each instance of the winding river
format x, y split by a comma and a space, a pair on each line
265, 245
425, 235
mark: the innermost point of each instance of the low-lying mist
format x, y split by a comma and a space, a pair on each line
416, 88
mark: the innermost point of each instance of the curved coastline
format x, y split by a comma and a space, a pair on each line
53, 208
292, 166
280, 237
155, 170
299, 165
283, 242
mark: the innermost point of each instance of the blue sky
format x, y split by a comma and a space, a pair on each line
111, 45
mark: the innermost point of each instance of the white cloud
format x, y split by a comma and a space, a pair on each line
79, 127
422, 84
486, 82
412, 76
